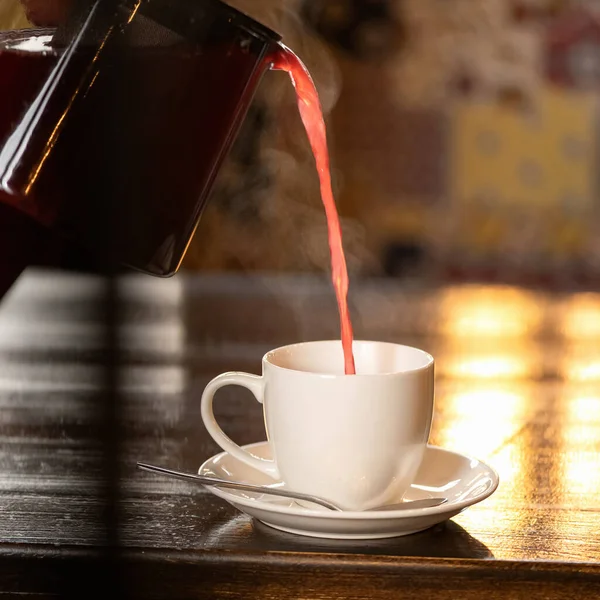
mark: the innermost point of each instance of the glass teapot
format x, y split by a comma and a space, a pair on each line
113, 126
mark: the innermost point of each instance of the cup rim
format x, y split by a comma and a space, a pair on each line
429, 360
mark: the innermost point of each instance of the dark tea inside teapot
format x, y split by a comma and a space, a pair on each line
114, 126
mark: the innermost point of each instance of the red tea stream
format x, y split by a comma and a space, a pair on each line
23, 70
312, 117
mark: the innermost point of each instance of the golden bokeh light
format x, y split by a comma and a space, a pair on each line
500, 359
479, 419
579, 317
490, 311
580, 424
494, 366
579, 362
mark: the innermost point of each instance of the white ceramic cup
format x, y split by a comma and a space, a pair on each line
356, 440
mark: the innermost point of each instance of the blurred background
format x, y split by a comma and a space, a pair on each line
463, 138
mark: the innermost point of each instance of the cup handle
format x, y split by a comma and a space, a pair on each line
256, 385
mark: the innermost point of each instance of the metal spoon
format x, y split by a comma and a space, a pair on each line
246, 487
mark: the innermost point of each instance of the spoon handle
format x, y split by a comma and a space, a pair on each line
244, 487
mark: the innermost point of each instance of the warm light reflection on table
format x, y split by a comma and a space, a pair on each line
489, 311
479, 417
580, 317
579, 361
489, 359
580, 456
519, 387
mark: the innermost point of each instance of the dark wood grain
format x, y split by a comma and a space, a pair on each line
183, 575
518, 385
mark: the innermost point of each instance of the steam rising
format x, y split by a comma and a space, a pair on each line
291, 232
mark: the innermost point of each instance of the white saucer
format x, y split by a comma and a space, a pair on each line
463, 480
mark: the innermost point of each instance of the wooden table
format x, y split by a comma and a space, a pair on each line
518, 386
